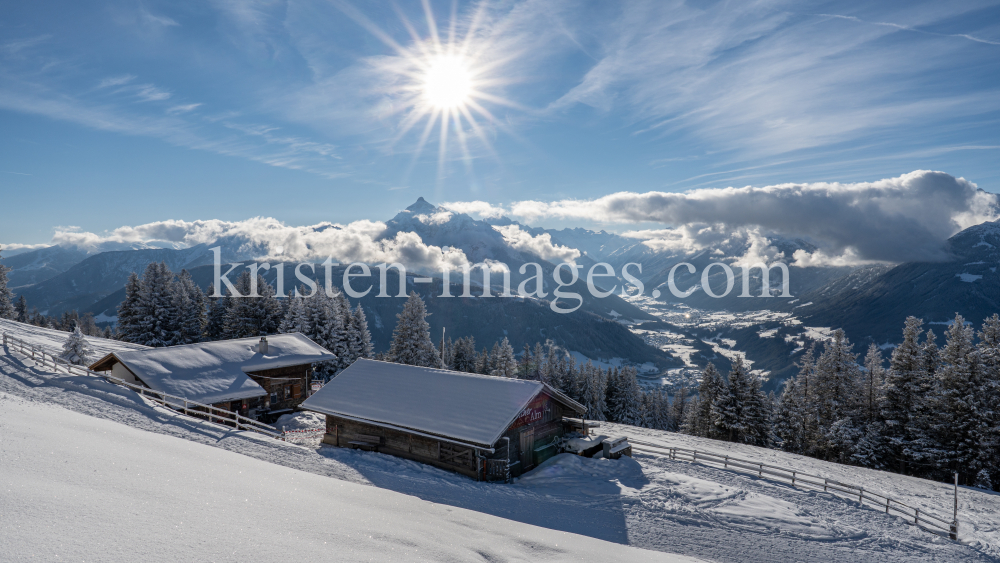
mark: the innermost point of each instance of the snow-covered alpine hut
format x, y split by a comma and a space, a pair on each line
482, 426
257, 377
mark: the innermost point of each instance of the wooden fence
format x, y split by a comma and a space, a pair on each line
180, 404
913, 515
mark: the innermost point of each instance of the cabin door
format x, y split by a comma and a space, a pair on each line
527, 448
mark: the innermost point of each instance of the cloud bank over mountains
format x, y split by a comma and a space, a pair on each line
907, 218
901, 219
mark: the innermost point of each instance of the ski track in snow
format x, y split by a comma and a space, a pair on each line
647, 502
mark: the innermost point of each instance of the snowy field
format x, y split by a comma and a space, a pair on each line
86, 486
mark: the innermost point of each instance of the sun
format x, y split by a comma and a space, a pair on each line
447, 83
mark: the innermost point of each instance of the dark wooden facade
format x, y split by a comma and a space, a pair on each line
286, 387
529, 440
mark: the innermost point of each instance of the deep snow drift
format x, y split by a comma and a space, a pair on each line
646, 502
82, 488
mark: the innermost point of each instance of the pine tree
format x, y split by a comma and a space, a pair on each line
989, 354
627, 407
539, 357
905, 402
6, 295
76, 349
504, 363
711, 385
21, 310
252, 316
191, 305
874, 379
215, 325
732, 407
789, 423
759, 414
361, 345
598, 390
837, 384
295, 319
158, 320
525, 362
961, 425
464, 357
411, 339
678, 409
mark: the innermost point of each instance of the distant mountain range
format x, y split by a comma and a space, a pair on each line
869, 302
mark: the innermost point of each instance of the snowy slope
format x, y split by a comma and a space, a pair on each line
53, 340
645, 502
82, 488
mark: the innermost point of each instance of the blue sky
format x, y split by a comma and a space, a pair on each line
123, 113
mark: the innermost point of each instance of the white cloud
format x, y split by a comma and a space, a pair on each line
759, 80
892, 220
480, 209
438, 218
541, 245
355, 242
183, 108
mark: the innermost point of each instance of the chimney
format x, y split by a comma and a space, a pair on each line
263, 346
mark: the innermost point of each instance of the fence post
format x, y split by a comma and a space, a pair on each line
825, 481
793, 478
916, 517
861, 495
760, 471
953, 529
887, 505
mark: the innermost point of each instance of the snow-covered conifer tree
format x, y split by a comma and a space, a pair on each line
464, 358
361, 344
252, 316
191, 306
989, 354
504, 363
905, 402
296, 319
729, 407
961, 425
76, 349
159, 319
411, 339
873, 380
21, 310
215, 325
6, 295
678, 409
127, 326
627, 407
712, 384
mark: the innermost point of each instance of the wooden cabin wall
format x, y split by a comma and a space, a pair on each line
341, 432
301, 374
543, 419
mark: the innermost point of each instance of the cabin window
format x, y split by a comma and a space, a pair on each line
274, 397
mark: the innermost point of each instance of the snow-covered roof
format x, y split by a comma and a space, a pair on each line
473, 408
214, 372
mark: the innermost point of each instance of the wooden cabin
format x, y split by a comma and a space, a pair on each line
260, 378
485, 427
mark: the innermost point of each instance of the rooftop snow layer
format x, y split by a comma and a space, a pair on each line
213, 372
468, 407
